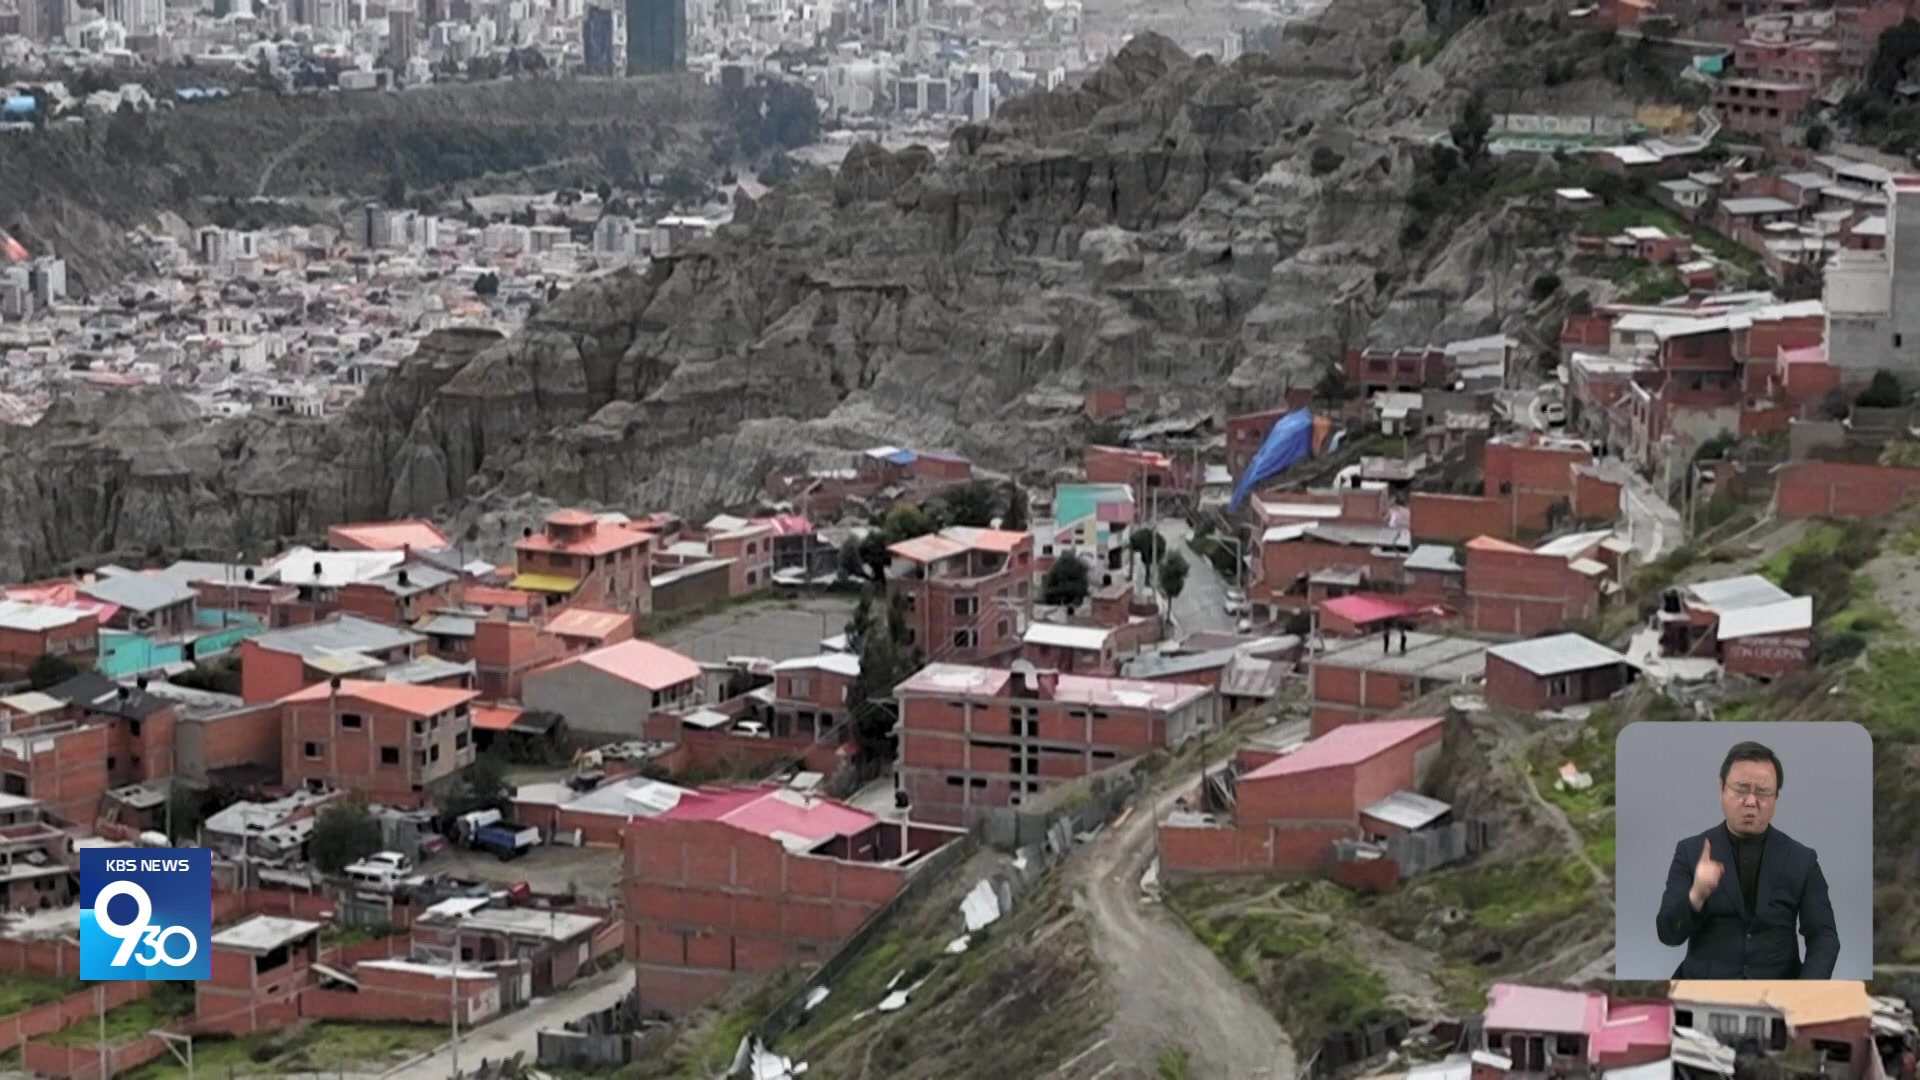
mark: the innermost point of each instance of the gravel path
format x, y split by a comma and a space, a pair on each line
1172, 993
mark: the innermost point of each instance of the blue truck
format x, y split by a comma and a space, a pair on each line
486, 830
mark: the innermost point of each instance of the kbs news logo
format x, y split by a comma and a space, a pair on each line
146, 913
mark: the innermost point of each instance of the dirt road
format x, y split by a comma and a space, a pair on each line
1172, 993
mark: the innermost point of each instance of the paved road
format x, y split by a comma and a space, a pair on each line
1201, 604
1173, 993
1653, 527
519, 1032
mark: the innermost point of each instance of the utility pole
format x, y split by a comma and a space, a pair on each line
453, 998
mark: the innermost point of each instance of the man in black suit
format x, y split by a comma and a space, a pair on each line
1742, 925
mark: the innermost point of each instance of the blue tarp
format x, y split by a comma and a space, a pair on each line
902, 457
18, 105
1291, 440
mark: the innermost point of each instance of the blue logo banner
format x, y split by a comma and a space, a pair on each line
146, 913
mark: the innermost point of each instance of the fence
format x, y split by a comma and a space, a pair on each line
1418, 853
788, 1011
60, 959
68, 1011
1344, 1049
83, 1062
609, 1038
1005, 828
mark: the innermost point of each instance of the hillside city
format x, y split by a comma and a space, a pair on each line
1258, 726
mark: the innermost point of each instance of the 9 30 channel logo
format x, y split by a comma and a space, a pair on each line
146, 913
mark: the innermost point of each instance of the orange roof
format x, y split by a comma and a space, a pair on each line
601, 539
641, 663
571, 518
957, 540
412, 700
1488, 543
495, 596
588, 623
389, 536
494, 717
1802, 1003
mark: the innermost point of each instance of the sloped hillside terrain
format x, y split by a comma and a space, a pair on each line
75, 189
1210, 234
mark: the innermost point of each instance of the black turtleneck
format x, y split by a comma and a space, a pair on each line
1746, 863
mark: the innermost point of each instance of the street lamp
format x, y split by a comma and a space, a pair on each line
453, 995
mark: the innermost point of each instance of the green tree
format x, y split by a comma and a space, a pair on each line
970, 504
1065, 582
483, 786
887, 657
395, 193
1469, 132
1149, 545
1883, 392
1896, 49
186, 812
904, 522
1817, 137
342, 833
1173, 575
1016, 517
873, 551
852, 566
50, 670
487, 284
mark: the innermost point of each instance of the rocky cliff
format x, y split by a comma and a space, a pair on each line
1166, 226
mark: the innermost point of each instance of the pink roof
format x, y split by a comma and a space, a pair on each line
1512, 1007
768, 811
786, 524
642, 663
391, 535
1489, 543
1114, 512
1363, 608
929, 548
400, 697
1810, 354
1349, 744
571, 518
600, 539
495, 596
1633, 1023
1126, 693
966, 681
587, 623
957, 680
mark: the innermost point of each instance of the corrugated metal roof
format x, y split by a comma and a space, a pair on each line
1781, 617
1408, 810
1346, 745
1732, 594
1557, 655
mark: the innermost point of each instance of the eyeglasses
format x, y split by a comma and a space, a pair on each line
1764, 795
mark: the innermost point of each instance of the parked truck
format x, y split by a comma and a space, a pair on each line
486, 830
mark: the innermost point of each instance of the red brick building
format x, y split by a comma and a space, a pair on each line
1831, 489
1811, 63
1516, 592
729, 884
1769, 641
1760, 106
410, 591
579, 559
1375, 370
1554, 673
1354, 681
969, 591
259, 968
1083, 650
30, 631
1295, 567
390, 741
281, 662
1144, 471
972, 739
810, 694
1289, 809
1527, 484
